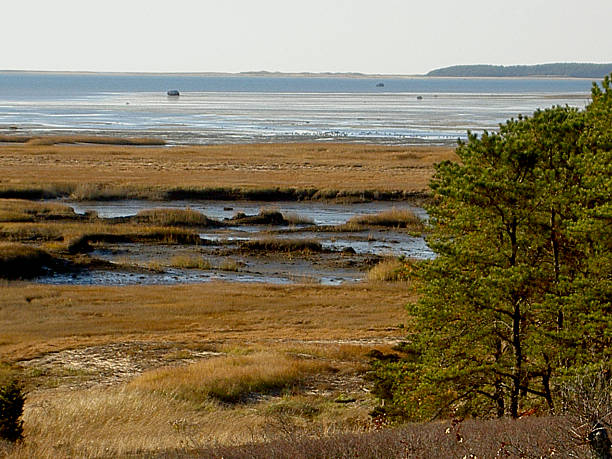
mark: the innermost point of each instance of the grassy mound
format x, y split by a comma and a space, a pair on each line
175, 217
72, 139
265, 217
394, 218
389, 270
21, 210
231, 378
282, 245
18, 261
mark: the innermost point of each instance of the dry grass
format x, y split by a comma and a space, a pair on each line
21, 261
56, 228
20, 210
175, 217
76, 236
190, 262
295, 219
229, 379
395, 218
265, 171
296, 335
469, 439
124, 421
390, 270
101, 422
282, 245
72, 139
229, 264
71, 316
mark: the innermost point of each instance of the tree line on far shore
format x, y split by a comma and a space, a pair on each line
572, 70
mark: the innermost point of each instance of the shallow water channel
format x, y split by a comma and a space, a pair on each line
345, 256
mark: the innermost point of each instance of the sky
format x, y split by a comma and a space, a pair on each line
374, 36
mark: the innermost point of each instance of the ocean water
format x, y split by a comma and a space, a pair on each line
237, 109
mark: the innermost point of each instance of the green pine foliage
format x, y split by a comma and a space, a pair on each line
518, 297
12, 399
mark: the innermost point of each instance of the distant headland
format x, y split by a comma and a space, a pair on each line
559, 70
565, 70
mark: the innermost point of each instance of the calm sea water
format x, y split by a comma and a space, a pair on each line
236, 109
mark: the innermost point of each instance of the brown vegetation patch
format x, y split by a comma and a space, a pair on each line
18, 261
533, 437
394, 218
69, 316
265, 217
282, 245
389, 270
230, 378
261, 171
72, 139
20, 210
175, 217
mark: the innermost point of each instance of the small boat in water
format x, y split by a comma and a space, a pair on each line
173, 92
380, 85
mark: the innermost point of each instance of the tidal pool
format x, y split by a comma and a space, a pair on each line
344, 256
319, 213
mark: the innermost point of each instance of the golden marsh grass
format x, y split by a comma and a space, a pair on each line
21, 210
22, 261
389, 270
128, 374
72, 139
175, 217
231, 378
190, 262
282, 245
72, 316
296, 335
317, 171
394, 218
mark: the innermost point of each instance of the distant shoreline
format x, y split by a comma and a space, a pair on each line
561, 69
264, 74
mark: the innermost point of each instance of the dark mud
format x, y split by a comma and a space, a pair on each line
285, 243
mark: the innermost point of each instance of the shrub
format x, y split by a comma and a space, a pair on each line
12, 398
390, 270
587, 407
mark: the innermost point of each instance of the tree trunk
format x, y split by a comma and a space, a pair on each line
600, 442
517, 376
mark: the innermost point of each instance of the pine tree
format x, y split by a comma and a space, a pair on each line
519, 293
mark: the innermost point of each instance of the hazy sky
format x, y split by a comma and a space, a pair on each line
375, 36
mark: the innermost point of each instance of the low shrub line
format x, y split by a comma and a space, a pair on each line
103, 192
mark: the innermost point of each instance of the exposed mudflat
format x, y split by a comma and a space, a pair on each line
312, 245
318, 212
